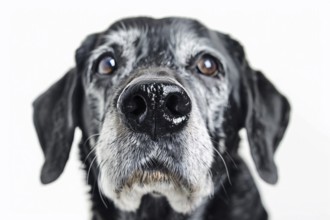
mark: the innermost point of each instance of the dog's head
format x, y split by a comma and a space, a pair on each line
160, 101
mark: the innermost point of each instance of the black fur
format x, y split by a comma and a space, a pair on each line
253, 104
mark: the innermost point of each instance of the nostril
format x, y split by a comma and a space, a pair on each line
172, 104
136, 107
178, 105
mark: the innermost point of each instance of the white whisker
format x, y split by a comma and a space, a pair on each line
224, 162
89, 169
90, 138
100, 188
89, 154
232, 160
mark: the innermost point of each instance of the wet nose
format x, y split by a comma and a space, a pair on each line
155, 107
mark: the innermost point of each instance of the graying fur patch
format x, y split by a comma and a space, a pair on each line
118, 155
188, 154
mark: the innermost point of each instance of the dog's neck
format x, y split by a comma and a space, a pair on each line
240, 192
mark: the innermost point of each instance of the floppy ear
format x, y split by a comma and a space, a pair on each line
55, 119
56, 113
265, 113
267, 117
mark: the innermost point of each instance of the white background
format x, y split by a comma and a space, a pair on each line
287, 40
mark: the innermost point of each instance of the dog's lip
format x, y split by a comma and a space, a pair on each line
152, 173
151, 176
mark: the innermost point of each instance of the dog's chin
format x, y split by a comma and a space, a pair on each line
181, 196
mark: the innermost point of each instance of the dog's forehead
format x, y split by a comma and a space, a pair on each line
182, 37
166, 29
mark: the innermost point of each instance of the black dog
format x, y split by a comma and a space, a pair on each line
160, 104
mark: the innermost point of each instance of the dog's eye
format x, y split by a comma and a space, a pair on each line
208, 65
106, 65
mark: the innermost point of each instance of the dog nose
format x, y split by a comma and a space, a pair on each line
155, 107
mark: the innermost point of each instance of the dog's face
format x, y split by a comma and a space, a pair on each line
155, 114
161, 101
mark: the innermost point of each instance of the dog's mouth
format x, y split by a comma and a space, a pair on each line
151, 177
153, 174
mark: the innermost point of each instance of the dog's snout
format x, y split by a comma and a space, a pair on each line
155, 107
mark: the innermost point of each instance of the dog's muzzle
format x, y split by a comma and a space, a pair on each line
155, 106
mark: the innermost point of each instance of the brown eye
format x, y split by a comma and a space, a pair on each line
106, 65
207, 65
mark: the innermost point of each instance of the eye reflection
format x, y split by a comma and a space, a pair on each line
207, 65
106, 65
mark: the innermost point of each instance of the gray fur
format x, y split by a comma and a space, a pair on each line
120, 151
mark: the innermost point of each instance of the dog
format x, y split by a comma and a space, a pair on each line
160, 103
